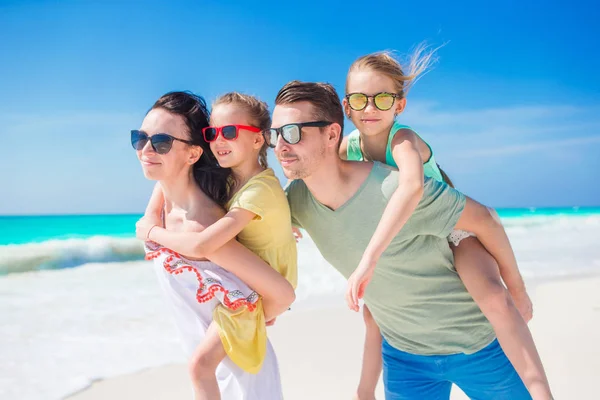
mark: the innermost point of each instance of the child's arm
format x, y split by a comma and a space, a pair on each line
478, 219
199, 244
277, 293
405, 149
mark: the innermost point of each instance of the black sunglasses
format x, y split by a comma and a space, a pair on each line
161, 142
291, 133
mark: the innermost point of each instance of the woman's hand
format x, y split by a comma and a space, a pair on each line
144, 226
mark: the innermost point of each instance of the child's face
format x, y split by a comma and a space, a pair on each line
232, 153
371, 120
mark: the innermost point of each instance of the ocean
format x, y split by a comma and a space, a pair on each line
80, 304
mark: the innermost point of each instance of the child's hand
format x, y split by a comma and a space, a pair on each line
144, 225
297, 233
523, 304
358, 281
271, 322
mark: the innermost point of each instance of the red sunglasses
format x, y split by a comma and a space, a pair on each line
229, 132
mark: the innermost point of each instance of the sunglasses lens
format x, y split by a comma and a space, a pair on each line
210, 134
229, 132
357, 101
161, 143
270, 136
384, 101
291, 134
138, 140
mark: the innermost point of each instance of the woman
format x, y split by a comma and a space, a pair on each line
173, 152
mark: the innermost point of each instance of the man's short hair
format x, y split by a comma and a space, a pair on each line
323, 97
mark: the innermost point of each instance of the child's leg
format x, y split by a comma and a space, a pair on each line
480, 275
204, 363
372, 359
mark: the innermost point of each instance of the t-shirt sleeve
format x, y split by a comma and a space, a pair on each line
292, 195
256, 198
439, 209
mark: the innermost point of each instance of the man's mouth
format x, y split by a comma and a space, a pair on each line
287, 161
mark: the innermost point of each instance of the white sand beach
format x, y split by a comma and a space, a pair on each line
320, 350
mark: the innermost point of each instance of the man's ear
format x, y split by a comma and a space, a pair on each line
334, 133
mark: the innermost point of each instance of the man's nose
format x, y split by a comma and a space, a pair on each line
280, 144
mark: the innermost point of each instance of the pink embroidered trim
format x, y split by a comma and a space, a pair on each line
174, 264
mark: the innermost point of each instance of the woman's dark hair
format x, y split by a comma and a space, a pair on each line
213, 180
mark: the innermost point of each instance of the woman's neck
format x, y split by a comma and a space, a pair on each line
180, 193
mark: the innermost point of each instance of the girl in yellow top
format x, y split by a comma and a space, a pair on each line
258, 215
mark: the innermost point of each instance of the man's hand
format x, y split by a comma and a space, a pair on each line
297, 234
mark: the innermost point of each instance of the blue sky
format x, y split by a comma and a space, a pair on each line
512, 109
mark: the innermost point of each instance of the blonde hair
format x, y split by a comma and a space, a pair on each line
404, 74
258, 112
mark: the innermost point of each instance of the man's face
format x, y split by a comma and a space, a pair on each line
302, 159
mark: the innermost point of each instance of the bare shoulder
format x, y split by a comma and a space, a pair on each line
408, 135
405, 134
344, 148
203, 215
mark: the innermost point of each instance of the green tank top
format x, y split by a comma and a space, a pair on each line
354, 153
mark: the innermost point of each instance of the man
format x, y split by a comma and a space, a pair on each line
417, 299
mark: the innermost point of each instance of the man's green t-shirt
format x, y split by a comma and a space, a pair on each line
416, 297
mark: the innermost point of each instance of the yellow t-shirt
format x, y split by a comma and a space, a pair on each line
269, 235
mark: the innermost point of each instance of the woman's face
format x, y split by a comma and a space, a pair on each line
179, 159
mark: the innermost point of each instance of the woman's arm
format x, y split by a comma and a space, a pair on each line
156, 203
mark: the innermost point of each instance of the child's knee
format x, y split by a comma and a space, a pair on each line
495, 300
201, 365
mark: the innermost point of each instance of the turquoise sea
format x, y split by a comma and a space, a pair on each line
37, 229
29, 243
